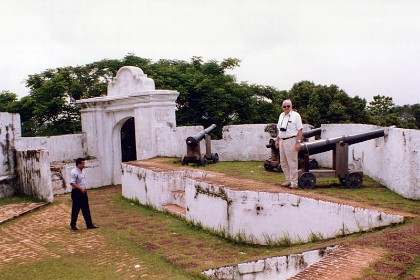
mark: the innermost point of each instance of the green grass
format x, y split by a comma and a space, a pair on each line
17, 199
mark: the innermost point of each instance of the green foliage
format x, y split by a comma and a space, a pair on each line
409, 116
207, 95
319, 104
382, 111
7, 100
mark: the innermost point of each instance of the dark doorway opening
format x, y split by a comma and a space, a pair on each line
128, 141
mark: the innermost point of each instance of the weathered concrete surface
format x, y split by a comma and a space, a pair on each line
33, 172
276, 268
253, 216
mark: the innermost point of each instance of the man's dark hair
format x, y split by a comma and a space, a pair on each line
79, 161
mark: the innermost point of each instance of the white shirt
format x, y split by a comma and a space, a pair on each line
292, 122
77, 176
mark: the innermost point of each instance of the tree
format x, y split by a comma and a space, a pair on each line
7, 101
382, 111
320, 104
207, 94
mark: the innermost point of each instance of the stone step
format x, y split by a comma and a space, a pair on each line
57, 179
176, 210
178, 198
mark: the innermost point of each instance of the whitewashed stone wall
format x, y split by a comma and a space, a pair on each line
257, 217
242, 143
60, 148
276, 268
9, 131
33, 172
393, 160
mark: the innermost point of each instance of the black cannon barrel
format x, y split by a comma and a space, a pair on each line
311, 133
321, 146
192, 141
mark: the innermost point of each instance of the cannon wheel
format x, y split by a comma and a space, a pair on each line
307, 180
266, 164
313, 164
215, 158
203, 161
279, 169
353, 180
183, 161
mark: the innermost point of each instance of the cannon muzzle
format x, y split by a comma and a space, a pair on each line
192, 141
311, 133
321, 146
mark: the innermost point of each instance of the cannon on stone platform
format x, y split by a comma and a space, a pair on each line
273, 162
339, 147
194, 151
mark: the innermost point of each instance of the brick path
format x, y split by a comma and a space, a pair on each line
344, 263
11, 211
28, 240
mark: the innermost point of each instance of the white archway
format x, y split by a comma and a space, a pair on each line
130, 95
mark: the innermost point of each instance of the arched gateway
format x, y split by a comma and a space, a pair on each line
131, 97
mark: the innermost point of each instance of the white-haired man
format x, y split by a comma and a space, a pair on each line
288, 141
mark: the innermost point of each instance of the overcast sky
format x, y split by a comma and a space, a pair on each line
366, 47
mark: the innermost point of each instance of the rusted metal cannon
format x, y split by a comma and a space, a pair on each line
194, 151
273, 162
339, 147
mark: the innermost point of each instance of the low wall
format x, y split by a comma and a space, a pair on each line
60, 148
60, 176
252, 216
276, 268
33, 172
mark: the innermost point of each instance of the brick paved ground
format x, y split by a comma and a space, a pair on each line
343, 264
45, 233
29, 239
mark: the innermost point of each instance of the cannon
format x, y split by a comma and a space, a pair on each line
194, 151
273, 163
339, 147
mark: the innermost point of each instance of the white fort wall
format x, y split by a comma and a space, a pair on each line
254, 216
393, 160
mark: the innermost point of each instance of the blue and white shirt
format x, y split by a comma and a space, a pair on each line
77, 176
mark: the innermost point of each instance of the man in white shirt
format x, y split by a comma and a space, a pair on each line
79, 196
288, 141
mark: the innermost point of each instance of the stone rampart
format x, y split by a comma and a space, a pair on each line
253, 216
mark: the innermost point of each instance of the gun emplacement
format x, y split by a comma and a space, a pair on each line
193, 148
339, 146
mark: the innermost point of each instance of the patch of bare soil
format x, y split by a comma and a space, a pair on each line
369, 240
374, 278
389, 269
401, 258
411, 246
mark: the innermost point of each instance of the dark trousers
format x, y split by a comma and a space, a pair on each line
80, 202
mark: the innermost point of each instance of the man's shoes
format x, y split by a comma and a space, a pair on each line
92, 226
294, 187
287, 184
74, 228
